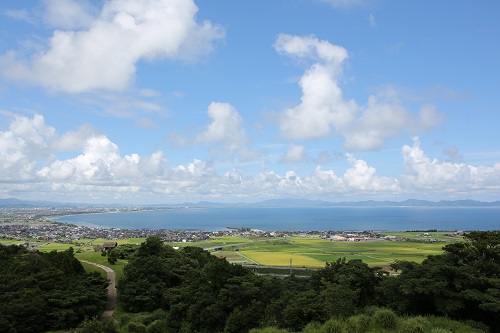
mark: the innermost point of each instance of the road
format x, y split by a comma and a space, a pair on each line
111, 305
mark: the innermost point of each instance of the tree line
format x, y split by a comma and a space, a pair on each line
190, 290
46, 291
197, 292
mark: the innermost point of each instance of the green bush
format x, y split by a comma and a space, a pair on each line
124, 318
456, 326
357, 324
440, 330
268, 330
136, 327
415, 325
385, 318
157, 326
94, 326
313, 327
333, 326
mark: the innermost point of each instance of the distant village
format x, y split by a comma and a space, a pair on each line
34, 223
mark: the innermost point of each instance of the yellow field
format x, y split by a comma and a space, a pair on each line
282, 259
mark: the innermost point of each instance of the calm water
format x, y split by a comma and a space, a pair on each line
338, 218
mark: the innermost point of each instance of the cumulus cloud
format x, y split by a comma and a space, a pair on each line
75, 140
20, 146
383, 118
226, 126
98, 172
69, 14
104, 54
294, 154
324, 111
426, 173
322, 104
225, 133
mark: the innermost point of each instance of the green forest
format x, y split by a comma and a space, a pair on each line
46, 291
190, 290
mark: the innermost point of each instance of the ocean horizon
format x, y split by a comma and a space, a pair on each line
298, 219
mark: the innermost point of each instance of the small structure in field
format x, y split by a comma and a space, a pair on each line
109, 245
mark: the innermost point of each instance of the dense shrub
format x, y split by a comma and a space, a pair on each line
415, 325
357, 324
333, 326
385, 318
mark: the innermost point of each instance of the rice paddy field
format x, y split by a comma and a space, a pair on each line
315, 252
304, 252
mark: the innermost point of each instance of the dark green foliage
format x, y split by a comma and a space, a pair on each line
385, 318
95, 325
201, 293
463, 283
333, 326
353, 275
42, 291
124, 251
112, 257
357, 324
135, 327
268, 330
313, 327
368, 324
415, 325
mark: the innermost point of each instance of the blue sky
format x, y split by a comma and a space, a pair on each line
161, 101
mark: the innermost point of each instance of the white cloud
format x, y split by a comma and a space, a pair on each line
424, 173
32, 135
226, 128
69, 14
75, 140
20, 146
324, 111
383, 118
123, 105
294, 154
104, 55
19, 14
30, 166
322, 105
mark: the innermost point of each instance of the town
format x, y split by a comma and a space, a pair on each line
36, 223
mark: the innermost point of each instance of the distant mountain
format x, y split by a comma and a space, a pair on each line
291, 203
295, 202
320, 203
16, 203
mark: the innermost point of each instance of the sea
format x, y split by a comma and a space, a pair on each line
298, 219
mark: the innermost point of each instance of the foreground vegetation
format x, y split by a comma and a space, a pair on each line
162, 289
189, 290
370, 320
41, 291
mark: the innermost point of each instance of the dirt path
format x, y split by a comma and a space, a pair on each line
111, 305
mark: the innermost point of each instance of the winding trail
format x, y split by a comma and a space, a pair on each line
112, 299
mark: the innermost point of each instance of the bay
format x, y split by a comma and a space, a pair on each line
298, 219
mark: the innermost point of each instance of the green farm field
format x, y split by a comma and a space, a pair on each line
315, 252
310, 252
